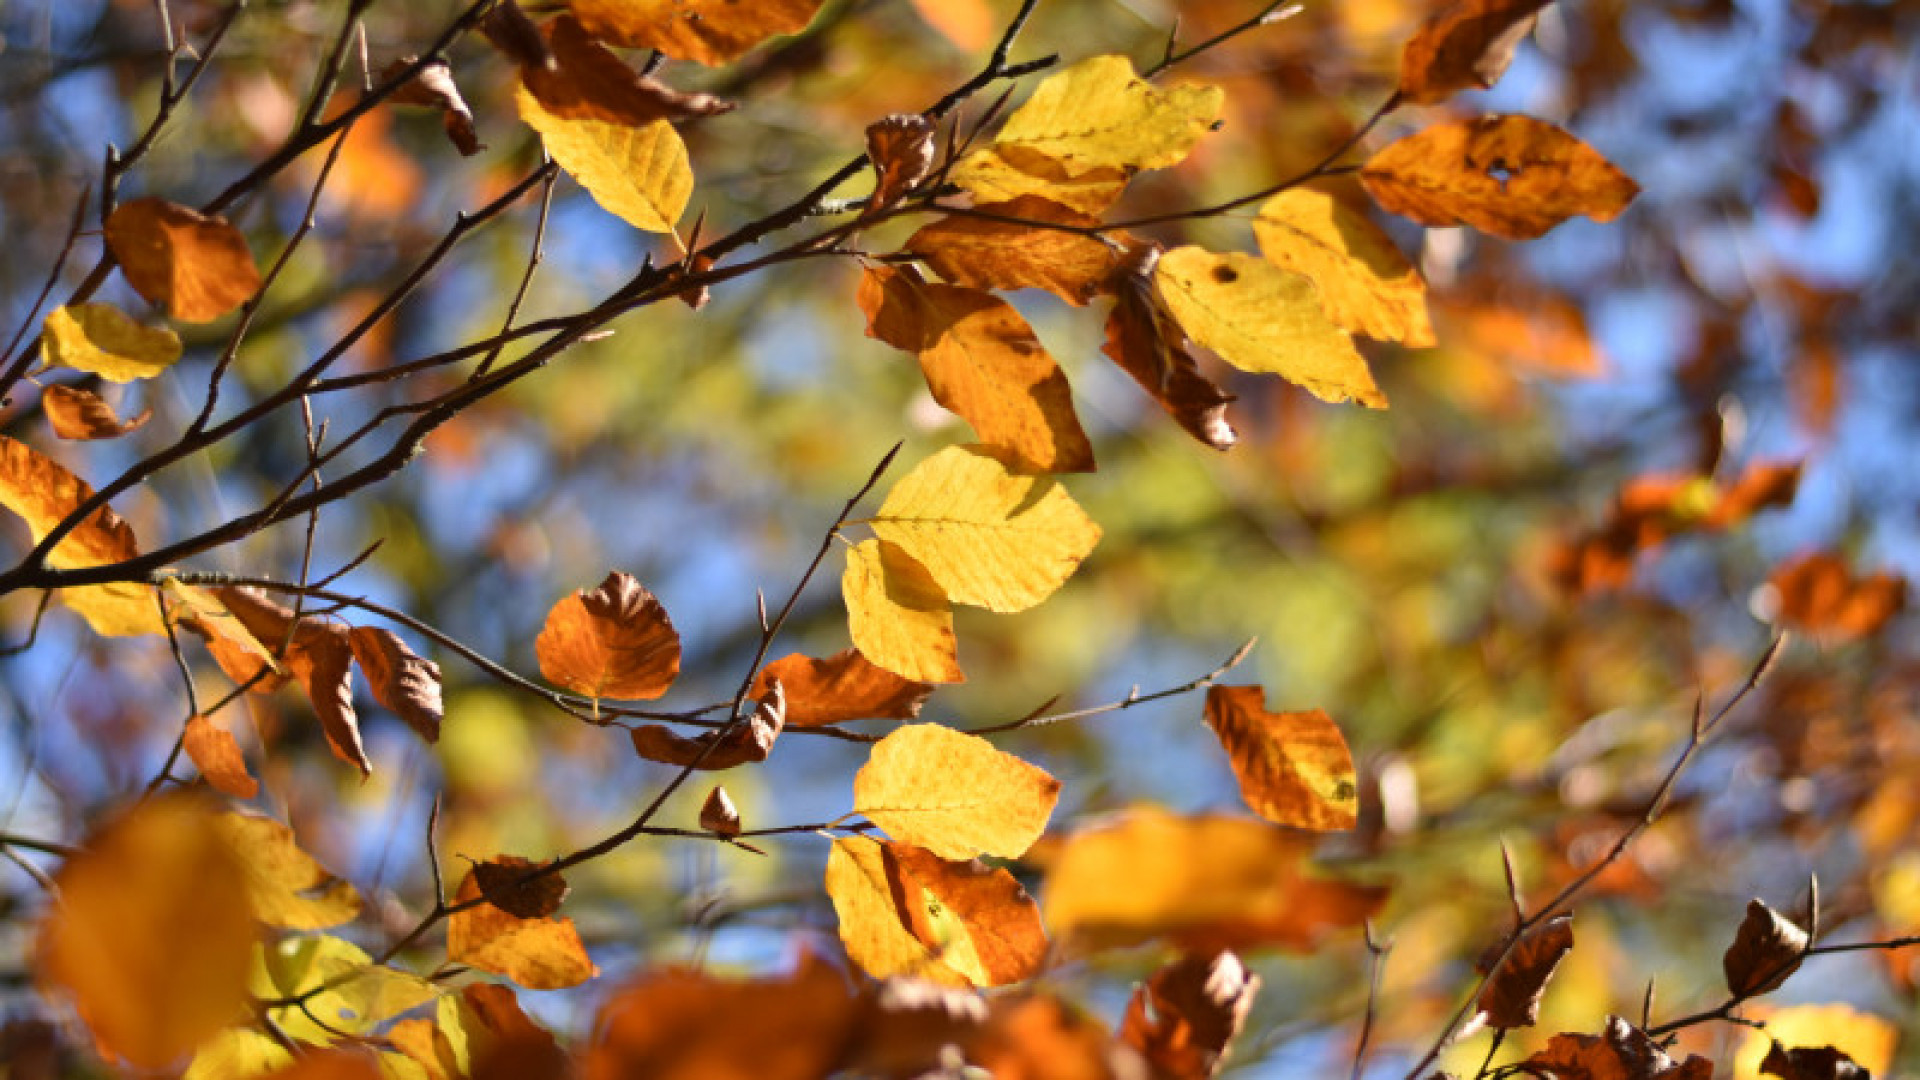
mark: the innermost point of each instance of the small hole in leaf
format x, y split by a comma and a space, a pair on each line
1225, 275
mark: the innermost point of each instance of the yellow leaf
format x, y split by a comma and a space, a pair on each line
1864, 1037
615, 641
1365, 284
638, 174
1007, 176
198, 266
363, 996
905, 911
983, 362
101, 339
1137, 876
898, 615
953, 793
1294, 767
38, 489
236, 1053
539, 954
1510, 176
1259, 317
286, 887
710, 32
151, 933
990, 536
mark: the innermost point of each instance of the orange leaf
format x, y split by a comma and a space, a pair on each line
842, 687
218, 758
1511, 996
197, 266
502, 1042
321, 660
615, 641
1819, 594
152, 935
710, 32
1044, 1038
587, 81
905, 911
1465, 46
718, 814
748, 742
333, 1063
539, 954
1510, 176
1294, 767
982, 362
982, 253
969, 24
1182, 1018
401, 679
83, 414
1763, 486
1150, 346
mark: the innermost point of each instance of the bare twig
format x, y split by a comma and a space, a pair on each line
1128, 702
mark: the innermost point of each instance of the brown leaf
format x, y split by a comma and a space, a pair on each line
1294, 767
1621, 1052
518, 37
842, 687
900, 147
1811, 1063
748, 742
262, 617
401, 679
911, 1025
503, 881
1511, 996
709, 32
982, 362
1766, 950
905, 911
615, 641
82, 414
539, 954
982, 253
718, 815
1465, 46
1506, 175
197, 266
217, 756
1182, 1018
1148, 345
433, 87
1818, 593
322, 662
588, 82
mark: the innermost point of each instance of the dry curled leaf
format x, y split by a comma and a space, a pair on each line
84, 415
1148, 345
321, 660
1811, 1063
709, 32
718, 814
402, 680
518, 37
433, 87
746, 743
1000, 252
1620, 1052
1294, 768
215, 753
539, 954
1464, 46
900, 147
953, 793
842, 687
587, 81
613, 642
197, 266
1183, 1017
505, 883
1766, 949
1511, 996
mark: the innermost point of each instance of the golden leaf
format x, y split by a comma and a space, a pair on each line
152, 934
905, 911
953, 793
539, 954
214, 752
1147, 344
1293, 767
1261, 318
101, 339
1365, 284
842, 687
340, 983
638, 174
1864, 1037
285, 886
984, 253
1510, 176
1010, 175
197, 266
710, 32
1464, 46
43, 493
990, 536
85, 415
615, 641
897, 614
982, 362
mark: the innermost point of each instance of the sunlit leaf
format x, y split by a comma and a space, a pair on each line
197, 266
577, 78
83, 415
1148, 345
905, 911
639, 175
898, 615
1365, 284
101, 339
1506, 175
214, 752
983, 362
42, 492
344, 990
539, 954
615, 641
989, 535
321, 660
687, 1025
710, 32
401, 679
1867, 1039
1466, 45
152, 934
1294, 767
1261, 318
1183, 1018
900, 148
1041, 1037
953, 793
236, 1052
842, 687
286, 887
990, 252
969, 24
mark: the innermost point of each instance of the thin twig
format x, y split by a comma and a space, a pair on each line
1128, 702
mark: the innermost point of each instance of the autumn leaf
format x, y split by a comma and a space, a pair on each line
1867, 1041
1620, 1052
968, 24
842, 687
639, 175
1811, 1063
401, 679
1148, 345
905, 911
84, 415
1507, 175
982, 362
285, 886
101, 340
1511, 996
433, 87
710, 32
538, 954
1819, 594
1183, 1017
342, 988
989, 535
749, 741
1134, 877
615, 641
718, 814
351, 1063
1041, 1037
897, 614
321, 660
1464, 46
953, 793
900, 147
195, 265
1261, 318
215, 753
503, 881
44, 493
1293, 767
992, 252
152, 934
1365, 284
1766, 949
579, 79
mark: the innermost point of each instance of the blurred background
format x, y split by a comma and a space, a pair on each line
1508, 589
